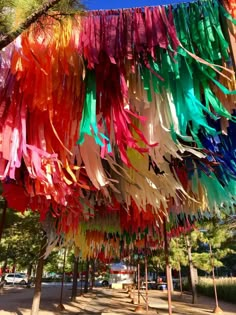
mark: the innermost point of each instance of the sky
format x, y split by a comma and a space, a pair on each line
118, 4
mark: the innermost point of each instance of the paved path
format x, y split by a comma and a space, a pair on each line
17, 301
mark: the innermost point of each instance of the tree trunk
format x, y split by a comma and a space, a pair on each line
29, 270
3, 219
217, 308
171, 280
138, 284
8, 38
92, 273
86, 277
81, 278
38, 279
4, 267
61, 307
168, 269
146, 279
180, 281
192, 272
75, 280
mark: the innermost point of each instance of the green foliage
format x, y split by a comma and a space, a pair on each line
21, 239
178, 253
229, 261
214, 233
177, 256
54, 262
157, 261
14, 12
21, 242
210, 235
69, 6
12, 217
202, 261
6, 18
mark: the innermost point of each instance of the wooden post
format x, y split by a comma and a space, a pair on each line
191, 270
146, 280
138, 283
38, 279
86, 276
168, 277
75, 279
139, 308
93, 264
81, 276
61, 306
3, 218
180, 281
217, 309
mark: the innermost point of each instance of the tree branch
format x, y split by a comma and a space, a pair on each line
8, 38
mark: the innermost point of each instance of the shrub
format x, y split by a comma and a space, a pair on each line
226, 288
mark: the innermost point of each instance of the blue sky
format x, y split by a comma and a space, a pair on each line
118, 4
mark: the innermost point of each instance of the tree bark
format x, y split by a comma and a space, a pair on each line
4, 266
171, 280
38, 279
168, 269
191, 271
86, 277
146, 279
61, 306
81, 278
75, 279
8, 38
92, 273
29, 270
217, 308
3, 218
180, 281
138, 283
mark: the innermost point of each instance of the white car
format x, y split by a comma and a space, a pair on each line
16, 278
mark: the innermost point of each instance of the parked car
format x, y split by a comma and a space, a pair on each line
162, 286
152, 285
105, 283
102, 281
16, 278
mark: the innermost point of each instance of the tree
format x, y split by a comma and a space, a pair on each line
38, 279
17, 15
178, 256
157, 261
21, 240
3, 206
212, 236
75, 275
190, 242
86, 276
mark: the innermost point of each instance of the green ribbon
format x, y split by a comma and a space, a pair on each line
89, 119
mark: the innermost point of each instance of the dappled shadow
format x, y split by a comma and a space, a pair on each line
100, 301
18, 300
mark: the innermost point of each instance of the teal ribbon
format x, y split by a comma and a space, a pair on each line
89, 119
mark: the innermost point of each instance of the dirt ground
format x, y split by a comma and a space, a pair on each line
17, 301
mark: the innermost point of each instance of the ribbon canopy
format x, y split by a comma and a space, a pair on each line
114, 234
124, 109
